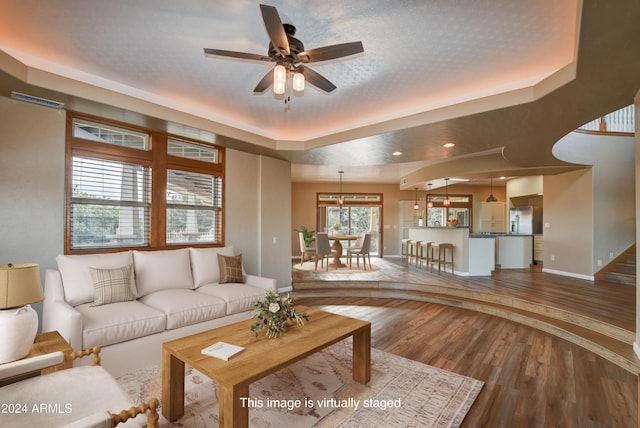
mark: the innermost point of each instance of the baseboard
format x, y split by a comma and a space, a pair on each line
571, 274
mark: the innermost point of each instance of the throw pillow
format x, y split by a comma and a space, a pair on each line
230, 268
111, 285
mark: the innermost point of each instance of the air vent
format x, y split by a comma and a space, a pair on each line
36, 100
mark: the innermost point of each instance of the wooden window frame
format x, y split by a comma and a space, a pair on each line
155, 157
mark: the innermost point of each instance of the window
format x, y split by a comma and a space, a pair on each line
109, 135
192, 151
110, 203
460, 209
132, 188
360, 213
193, 201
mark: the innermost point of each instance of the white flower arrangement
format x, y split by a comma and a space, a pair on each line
274, 313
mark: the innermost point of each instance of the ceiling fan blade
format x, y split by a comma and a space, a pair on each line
331, 52
275, 29
266, 81
316, 79
232, 54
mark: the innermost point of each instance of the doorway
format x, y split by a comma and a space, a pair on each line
359, 213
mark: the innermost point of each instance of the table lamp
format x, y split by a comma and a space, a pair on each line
19, 287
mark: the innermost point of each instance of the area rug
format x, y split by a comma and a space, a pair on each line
319, 392
309, 266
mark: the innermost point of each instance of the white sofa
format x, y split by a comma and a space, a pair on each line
175, 293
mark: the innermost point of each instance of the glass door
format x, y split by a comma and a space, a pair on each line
359, 214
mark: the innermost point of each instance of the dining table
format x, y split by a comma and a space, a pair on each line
337, 246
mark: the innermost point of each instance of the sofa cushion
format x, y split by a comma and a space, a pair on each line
204, 264
112, 285
230, 269
117, 322
162, 270
239, 297
185, 307
78, 286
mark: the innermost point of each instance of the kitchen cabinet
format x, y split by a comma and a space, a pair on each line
492, 217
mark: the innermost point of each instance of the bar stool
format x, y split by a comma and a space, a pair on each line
425, 248
414, 248
404, 249
442, 248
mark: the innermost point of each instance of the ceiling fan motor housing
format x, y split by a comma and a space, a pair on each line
295, 47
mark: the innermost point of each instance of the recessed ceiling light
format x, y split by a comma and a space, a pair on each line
448, 145
503, 177
396, 153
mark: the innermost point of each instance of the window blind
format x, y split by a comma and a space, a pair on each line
110, 203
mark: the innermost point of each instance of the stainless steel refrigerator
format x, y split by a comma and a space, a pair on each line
525, 221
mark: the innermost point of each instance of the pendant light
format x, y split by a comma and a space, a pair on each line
416, 206
340, 199
446, 201
491, 198
429, 202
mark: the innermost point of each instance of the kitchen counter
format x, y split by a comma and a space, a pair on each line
472, 257
514, 251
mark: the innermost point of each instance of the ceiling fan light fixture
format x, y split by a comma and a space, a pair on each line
298, 81
279, 79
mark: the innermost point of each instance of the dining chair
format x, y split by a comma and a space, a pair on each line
304, 250
323, 249
362, 250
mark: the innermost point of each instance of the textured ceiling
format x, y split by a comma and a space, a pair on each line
431, 72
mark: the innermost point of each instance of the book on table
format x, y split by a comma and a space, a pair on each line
222, 350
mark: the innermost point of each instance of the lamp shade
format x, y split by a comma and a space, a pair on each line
19, 285
298, 82
279, 79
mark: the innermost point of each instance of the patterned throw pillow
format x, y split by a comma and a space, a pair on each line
111, 285
230, 269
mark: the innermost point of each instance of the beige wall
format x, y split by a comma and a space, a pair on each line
568, 213
275, 220
524, 186
31, 184
258, 214
303, 213
613, 190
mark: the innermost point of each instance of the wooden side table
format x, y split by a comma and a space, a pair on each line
48, 342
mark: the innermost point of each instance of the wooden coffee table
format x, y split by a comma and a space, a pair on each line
260, 358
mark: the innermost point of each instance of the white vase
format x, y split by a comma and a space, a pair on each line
420, 222
18, 328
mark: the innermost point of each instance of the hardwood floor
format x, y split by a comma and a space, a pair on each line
533, 378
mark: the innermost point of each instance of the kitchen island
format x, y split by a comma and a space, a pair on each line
473, 255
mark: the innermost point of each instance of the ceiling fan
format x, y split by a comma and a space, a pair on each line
289, 55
